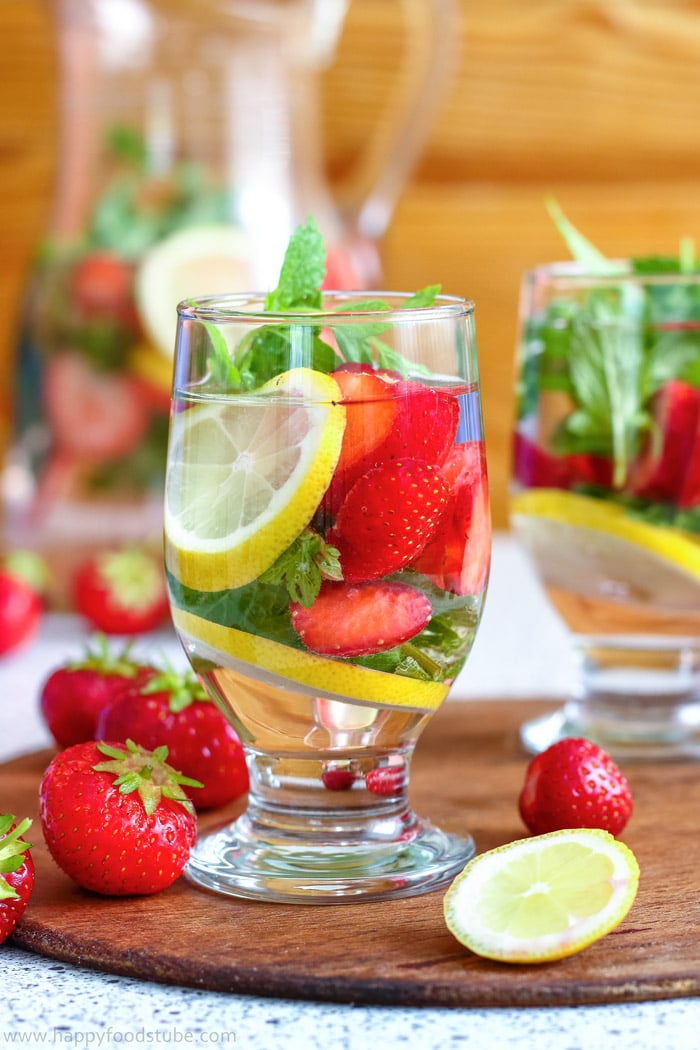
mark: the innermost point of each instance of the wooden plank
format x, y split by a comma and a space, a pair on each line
468, 771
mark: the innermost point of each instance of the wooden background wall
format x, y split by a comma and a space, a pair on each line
595, 101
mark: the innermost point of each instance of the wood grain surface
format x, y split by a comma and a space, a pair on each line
468, 771
593, 101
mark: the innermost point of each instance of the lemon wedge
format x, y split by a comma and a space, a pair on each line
197, 260
542, 898
595, 547
336, 679
245, 476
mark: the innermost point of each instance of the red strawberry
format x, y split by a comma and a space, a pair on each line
74, 695
116, 819
574, 784
458, 556
417, 422
425, 427
535, 467
386, 780
93, 416
359, 619
101, 287
338, 777
668, 468
121, 591
21, 605
174, 710
370, 415
16, 873
387, 518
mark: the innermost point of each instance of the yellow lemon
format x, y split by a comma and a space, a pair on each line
245, 476
197, 260
542, 898
596, 546
333, 677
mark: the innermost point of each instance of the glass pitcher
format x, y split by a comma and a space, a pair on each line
190, 149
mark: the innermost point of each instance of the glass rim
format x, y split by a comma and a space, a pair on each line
247, 307
571, 274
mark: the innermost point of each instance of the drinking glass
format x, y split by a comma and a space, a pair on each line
327, 539
606, 497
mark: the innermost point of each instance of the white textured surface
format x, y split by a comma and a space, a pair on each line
520, 652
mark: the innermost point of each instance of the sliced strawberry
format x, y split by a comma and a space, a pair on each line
370, 413
419, 422
426, 424
458, 556
93, 415
388, 517
535, 467
360, 619
668, 467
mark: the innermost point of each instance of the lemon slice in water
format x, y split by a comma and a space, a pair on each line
542, 898
596, 547
245, 476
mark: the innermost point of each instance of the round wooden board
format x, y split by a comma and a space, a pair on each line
468, 770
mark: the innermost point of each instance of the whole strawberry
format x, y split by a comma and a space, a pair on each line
173, 709
16, 873
115, 818
121, 591
574, 784
22, 580
73, 695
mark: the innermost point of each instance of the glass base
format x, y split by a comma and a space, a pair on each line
638, 697
394, 857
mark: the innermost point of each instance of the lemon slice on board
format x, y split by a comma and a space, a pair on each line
591, 545
542, 898
197, 260
245, 476
334, 678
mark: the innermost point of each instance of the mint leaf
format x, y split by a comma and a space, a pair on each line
302, 273
303, 567
592, 260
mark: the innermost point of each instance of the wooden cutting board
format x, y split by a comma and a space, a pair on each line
469, 767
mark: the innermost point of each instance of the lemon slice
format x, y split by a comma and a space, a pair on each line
595, 547
245, 476
197, 260
542, 898
334, 678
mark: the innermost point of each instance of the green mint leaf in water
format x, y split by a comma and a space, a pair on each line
304, 566
302, 273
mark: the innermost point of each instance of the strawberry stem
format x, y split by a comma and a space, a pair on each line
147, 773
12, 850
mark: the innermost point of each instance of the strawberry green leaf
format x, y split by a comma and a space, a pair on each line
145, 772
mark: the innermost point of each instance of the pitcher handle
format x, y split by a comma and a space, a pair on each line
368, 195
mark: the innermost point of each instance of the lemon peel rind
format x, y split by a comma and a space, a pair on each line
336, 680
462, 900
204, 569
669, 544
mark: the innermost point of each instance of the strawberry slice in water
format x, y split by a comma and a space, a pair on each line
388, 517
360, 619
457, 559
668, 468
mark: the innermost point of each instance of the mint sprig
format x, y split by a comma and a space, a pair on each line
609, 353
270, 349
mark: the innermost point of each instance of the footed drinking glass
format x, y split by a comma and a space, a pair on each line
606, 496
327, 539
